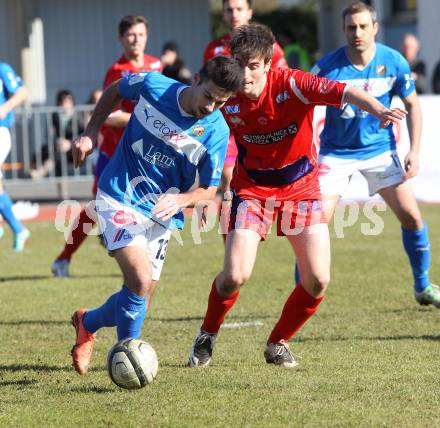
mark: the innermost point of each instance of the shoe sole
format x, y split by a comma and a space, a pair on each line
427, 303
192, 365
284, 365
74, 321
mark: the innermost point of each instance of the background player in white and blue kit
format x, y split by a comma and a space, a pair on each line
352, 140
174, 132
12, 94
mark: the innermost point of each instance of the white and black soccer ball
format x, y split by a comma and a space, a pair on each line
132, 363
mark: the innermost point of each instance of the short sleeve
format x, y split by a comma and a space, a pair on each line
312, 89
132, 85
11, 81
211, 165
404, 84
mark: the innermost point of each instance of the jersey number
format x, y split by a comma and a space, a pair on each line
161, 252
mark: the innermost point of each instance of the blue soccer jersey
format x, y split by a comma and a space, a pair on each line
9, 84
352, 132
163, 147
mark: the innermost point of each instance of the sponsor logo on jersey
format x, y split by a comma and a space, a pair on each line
137, 78
153, 155
271, 137
122, 235
281, 97
198, 130
123, 217
236, 121
381, 69
232, 109
163, 128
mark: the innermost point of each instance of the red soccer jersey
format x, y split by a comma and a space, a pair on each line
119, 69
276, 154
220, 47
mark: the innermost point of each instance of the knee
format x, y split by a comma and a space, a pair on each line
232, 281
412, 222
139, 284
316, 285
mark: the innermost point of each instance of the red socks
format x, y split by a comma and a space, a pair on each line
78, 236
218, 307
299, 307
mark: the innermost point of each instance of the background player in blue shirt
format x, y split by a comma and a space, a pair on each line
175, 131
12, 94
352, 139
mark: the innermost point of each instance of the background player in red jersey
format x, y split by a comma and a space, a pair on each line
276, 174
133, 36
236, 13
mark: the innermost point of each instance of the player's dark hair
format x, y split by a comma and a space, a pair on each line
62, 94
358, 7
225, 73
128, 22
249, 2
251, 41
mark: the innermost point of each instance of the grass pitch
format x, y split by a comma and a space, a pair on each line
367, 359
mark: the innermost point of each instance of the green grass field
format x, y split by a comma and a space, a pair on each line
367, 359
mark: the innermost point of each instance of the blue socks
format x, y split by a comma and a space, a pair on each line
130, 313
8, 215
416, 244
124, 309
104, 316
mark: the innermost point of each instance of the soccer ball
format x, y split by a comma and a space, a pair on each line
132, 363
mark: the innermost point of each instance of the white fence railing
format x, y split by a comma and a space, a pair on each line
41, 145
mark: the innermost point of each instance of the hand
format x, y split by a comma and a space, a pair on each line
81, 148
393, 115
168, 205
411, 165
63, 145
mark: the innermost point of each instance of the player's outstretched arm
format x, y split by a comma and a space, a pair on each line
170, 204
368, 103
83, 145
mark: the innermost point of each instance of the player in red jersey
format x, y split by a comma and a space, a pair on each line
133, 35
236, 13
276, 174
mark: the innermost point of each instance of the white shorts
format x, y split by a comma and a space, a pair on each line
5, 146
380, 171
122, 226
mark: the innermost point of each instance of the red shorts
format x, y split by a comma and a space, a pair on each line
258, 215
231, 153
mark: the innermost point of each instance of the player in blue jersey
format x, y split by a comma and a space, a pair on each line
12, 94
352, 139
175, 131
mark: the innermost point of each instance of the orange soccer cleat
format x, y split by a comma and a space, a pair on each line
83, 348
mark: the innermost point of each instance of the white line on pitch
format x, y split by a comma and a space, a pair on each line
242, 324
